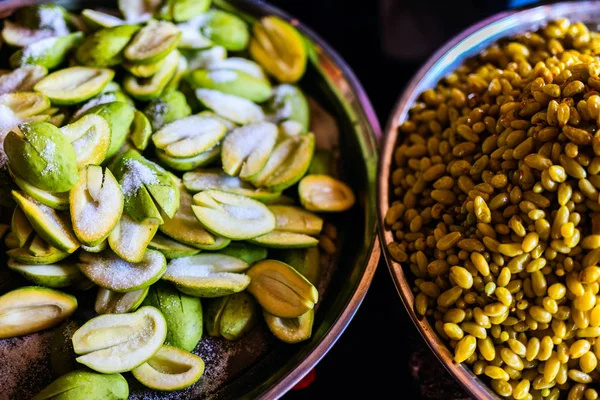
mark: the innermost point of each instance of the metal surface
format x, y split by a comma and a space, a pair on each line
332, 82
467, 44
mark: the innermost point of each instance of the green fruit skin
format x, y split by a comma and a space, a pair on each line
53, 57
167, 108
184, 10
62, 355
213, 309
239, 316
119, 116
60, 202
26, 157
189, 163
141, 130
86, 385
299, 110
227, 30
24, 256
182, 312
244, 85
305, 261
105, 47
245, 251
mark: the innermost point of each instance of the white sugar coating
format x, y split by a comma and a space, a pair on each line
38, 49
101, 99
156, 114
29, 36
8, 121
223, 76
48, 153
52, 18
58, 221
235, 108
239, 64
244, 212
284, 107
291, 127
205, 58
136, 176
21, 79
243, 141
90, 219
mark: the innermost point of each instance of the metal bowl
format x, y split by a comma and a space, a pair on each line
332, 83
467, 44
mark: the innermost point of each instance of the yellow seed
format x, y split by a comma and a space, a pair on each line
557, 173
518, 347
589, 332
449, 240
533, 347
449, 297
591, 242
480, 263
551, 367
521, 391
530, 242
585, 302
588, 362
482, 211
511, 359
567, 230
462, 277
465, 348
496, 373
579, 376
590, 274
486, 348
453, 331
421, 303
510, 249
504, 296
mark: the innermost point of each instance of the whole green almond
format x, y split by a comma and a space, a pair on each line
182, 312
239, 316
42, 156
119, 116
104, 48
49, 52
237, 83
86, 385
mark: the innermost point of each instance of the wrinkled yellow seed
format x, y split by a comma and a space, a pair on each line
481, 210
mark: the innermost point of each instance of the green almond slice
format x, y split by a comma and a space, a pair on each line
153, 42
171, 248
49, 52
199, 180
20, 36
39, 247
207, 275
33, 309
22, 79
245, 251
296, 220
110, 302
238, 317
240, 64
233, 82
184, 226
287, 164
25, 256
143, 70
20, 227
25, 104
246, 150
114, 343
141, 130
323, 193
96, 20
170, 369
189, 163
119, 116
129, 239
204, 58
86, 385
291, 330
220, 243
53, 227
232, 216
48, 275
184, 10
74, 85
90, 137
213, 309
96, 205
285, 240
96, 249
234, 108
148, 89
190, 136
225, 29
281, 290
109, 271
102, 98
305, 261
104, 48
182, 69
289, 104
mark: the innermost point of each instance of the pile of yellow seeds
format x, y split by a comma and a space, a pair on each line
497, 212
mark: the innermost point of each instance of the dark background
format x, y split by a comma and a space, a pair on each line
385, 42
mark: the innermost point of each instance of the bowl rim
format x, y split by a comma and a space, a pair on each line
465, 44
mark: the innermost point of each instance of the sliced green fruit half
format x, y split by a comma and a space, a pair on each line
190, 136
200, 180
25, 104
189, 163
281, 290
120, 342
183, 10
86, 385
237, 83
143, 70
170, 369
234, 108
169, 107
20, 227
104, 48
246, 150
49, 52
96, 20
153, 42
119, 116
96, 204
74, 85
48, 275
141, 130
110, 302
291, 330
90, 137
239, 64
220, 243
207, 275
130, 238
58, 201
239, 316
232, 216
289, 104
148, 89
296, 220
324, 193
285, 240
109, 271
32, 309
96, 249
171, 248
53, 227
27, 256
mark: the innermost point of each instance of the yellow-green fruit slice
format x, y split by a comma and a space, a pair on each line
148, 89
74, 85
32, 309
96, 20
96, 249
171, 248
143, 70
279, 48
239, 64
22, 79
25, 256
104, 48
49, 52
90, 137
291, 330
25, 104
323, 193
153, 42
246, 150
109, 271
285, 240
110, 302
220, 243
232, 216
234, 108
86, 385
239, 316
289, 104
190, 136
305, 261
182, 312
296, 220
287, 164
20, 227
225, 29
281, 290
245, 251
96, 205
120, 342
189, 163
207, 275
200, 180
53, 227
141, 130
170, 369
183, 10
58, 201
237, 83
119, 116
48, 275
129, 239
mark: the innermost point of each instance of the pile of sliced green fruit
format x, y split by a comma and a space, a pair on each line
149, 155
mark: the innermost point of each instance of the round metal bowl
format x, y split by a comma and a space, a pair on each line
332, 83
467, 44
